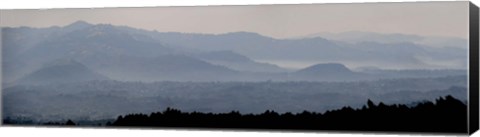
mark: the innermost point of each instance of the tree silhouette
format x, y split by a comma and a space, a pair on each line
70, 123
446, 115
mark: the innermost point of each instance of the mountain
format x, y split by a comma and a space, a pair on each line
15, 41
364, 49
78, 25
400, 51
98, 39
326, 69
253, 45
331, 72
78, 41
160, 68
362, 36
19, 39
238, 62
385, 38
61, 71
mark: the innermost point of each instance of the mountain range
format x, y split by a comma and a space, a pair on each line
61, 71
103, 51
363, 36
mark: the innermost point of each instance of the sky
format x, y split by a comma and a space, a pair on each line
278, 21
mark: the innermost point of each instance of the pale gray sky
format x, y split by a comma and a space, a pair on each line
279, 21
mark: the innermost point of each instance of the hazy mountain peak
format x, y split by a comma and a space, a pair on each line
361, 36
242, 33
61, 71
245, 34
338, 65
78, 25
326, 68
105, 31
316, 40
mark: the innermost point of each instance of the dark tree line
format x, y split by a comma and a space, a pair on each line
67, 123
445, 115
11, 121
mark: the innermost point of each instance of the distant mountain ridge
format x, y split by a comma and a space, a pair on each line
238, 62
125, 53
363, 36
326, 68
258, 47
62, 71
